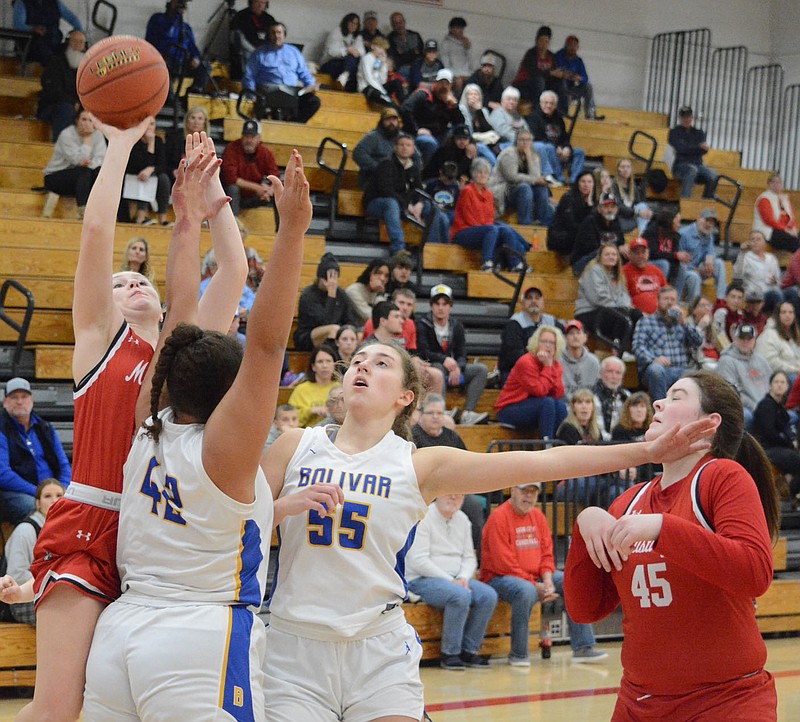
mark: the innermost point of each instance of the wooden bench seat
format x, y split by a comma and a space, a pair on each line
17, 655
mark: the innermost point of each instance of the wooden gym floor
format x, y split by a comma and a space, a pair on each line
549, 690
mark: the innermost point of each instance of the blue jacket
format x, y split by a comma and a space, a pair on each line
269, 65
697, 245
574, 65
173, 38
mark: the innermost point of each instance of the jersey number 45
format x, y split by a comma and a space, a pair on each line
649, 587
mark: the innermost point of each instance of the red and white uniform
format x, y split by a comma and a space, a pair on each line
691, 645
78, 544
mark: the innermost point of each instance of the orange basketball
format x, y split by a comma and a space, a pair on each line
122, 80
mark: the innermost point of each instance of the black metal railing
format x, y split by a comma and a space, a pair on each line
20, 327
337, 171
760, 116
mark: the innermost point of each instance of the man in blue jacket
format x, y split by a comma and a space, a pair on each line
689, 145
575, 80
30, 451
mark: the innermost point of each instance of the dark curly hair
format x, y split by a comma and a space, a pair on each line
197, 367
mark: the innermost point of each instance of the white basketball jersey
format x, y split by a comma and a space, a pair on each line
344, 576
181, 539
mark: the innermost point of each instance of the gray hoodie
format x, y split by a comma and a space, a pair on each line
749, 375
581, 373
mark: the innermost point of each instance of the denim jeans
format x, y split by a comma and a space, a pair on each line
484, 151
547, 151
690, 173
426, 145
522, 595
388, 210
545, 412
720, 280
659, 378
466, 611
531, 202
680, 279
15, 506
489, 238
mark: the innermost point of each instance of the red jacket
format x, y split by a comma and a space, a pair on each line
530, 377
644, 285
237, 164
473, 208
515, 545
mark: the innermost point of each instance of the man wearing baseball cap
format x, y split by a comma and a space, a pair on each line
689, 145
424, 69
428, 113
580, 367
246, 164
378, 145
456, 52
517, 561
485, 77
746, 370
600, 226
442, 342
370, 29
644, 279
697, 239
30, 452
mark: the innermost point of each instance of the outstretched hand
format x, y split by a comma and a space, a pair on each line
292, 196
194, 195
681, 441
131, 136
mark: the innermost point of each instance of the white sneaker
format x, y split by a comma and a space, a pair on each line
519, 661
552, 181
588, 655
628, 357
470, 418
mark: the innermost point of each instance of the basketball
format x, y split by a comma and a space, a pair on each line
122, 80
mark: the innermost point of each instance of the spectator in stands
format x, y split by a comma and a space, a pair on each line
310, 395
455, 53
370, 30
753, 311
76, 160
194, 121
643, 279
663, 344
538, 70
389, 194
746, 370
506, 119
603, 304
406, 333
18, 549
574, 80
772, 427
575, 205
368, 289
603, 183
598, 228
774, 217
30, 451
551, 139
581, 368
441, 341
728, 313
343, 49
373, 77
662, 236
249, 30
760, 271
456, 147
633, 209
387, 323
246, 165
533, 395
280, 63
486, 138
429, 113
346, 341
689, 145
779, 342
43, 18
517, 181
706, 355
377, 145
174, 39
323, 307
517, 561
634, 419
474, 225
285, 418
137, 259
520, 327
336, 407
401, 265
446, 188
405, 45
486, 79
425, 68
148, 160
697, 239
610, 394
440, 568
58, 101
